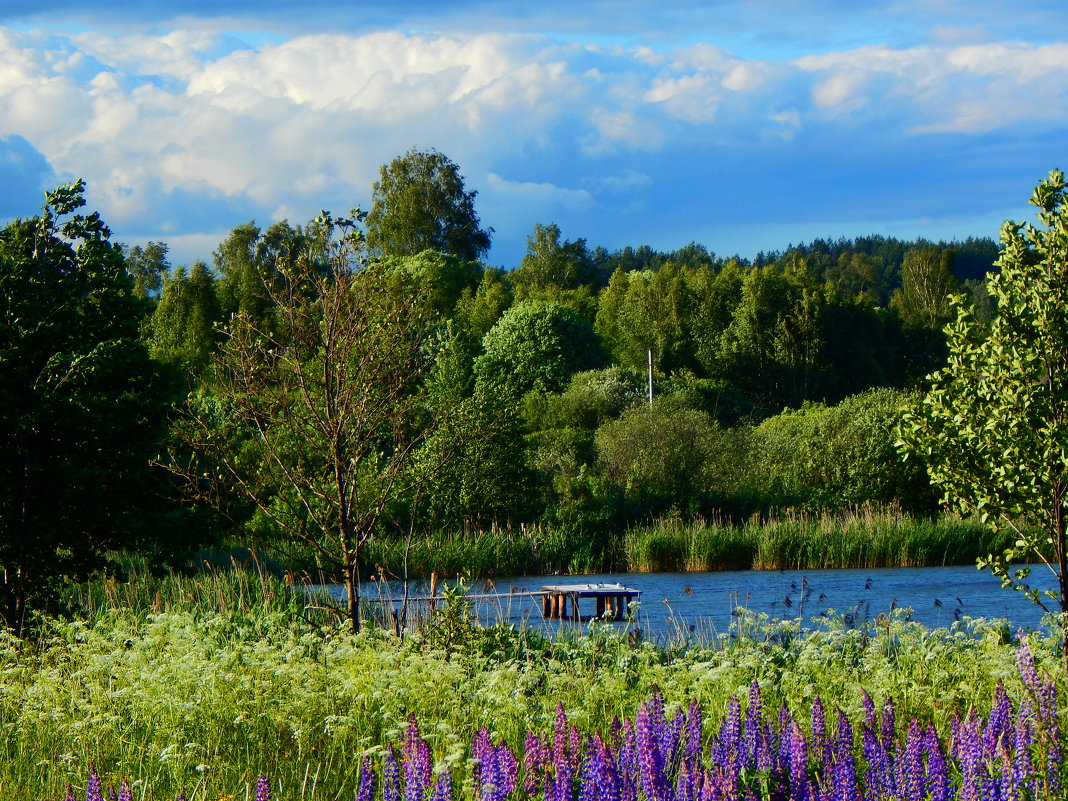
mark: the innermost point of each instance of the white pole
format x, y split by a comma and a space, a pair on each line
650, 351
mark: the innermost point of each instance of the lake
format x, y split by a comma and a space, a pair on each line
706, 603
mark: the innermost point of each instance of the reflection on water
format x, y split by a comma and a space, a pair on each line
707, 603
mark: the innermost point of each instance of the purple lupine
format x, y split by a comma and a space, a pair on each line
487, 770
391, 790
868, 706
655, 784
112, 795
886, 732
878, 771
263, 788
563, 757
418, 764
797, 762
820, 742
94, 791
669, 743
600, 780
442, 787
999, 723
973, 770
910, 765
627, 762
694, 734
125, 794
937, 775
1023, 771
365, 790
70, 794
751, 733
845, 769
507, 768
533, 763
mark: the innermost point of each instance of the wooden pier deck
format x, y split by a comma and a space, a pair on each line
613, 600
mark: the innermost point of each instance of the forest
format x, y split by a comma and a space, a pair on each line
341, 391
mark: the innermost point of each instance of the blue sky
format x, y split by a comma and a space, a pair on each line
742, 125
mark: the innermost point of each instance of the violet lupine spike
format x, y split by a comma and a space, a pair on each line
365, 790
911, 784
937, 782
955, 736
533, 762
563, 754
970, 756
868, 706
797, 762
480, 744
93, 790
752, 726
694, 734
507, 768
70, 794
999, 723
615, 734
684, 789
876, 766
125, 794
488, 774
418, 764
627, 763
845, 769
654, 782
669, 745
391, 790
442, 787
599, 782
263, 788
1023, 769
886, 730
820, 741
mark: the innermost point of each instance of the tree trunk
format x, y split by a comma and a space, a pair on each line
352, 590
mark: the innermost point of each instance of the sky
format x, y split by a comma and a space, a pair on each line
743, 125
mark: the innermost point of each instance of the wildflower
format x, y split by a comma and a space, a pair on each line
263, 788
366, 789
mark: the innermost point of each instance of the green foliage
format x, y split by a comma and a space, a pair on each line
182, 327
550, 263
440, 280
536, 347
659, 456
993, 429
419, 202
81, 407
837, 457
147, 265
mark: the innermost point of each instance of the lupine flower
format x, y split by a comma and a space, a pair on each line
650, 761
365, 791
390, 777
442, 788
845, 769
751, 733
999, 724
124, 791
694, 731
820, 741
263, 789
418, 765
887, 726
70, 794
938, 787
970, 755
797, 762
627, 762
507, 768
94, 791
600, 779
911, 782
533, 762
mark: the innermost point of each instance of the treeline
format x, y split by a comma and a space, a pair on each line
777, 381
318, 385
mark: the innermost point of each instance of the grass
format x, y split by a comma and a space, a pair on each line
864, 538
198, 684
860, 538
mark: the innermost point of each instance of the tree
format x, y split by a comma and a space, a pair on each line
537, 346
147, 265
551, 263
81, 406
182, 328
994, 426
419, 203
323, 399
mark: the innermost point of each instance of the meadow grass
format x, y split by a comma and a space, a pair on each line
198, 684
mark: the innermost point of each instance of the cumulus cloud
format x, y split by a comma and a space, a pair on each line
179, 132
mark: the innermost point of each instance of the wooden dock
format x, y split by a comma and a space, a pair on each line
613, 600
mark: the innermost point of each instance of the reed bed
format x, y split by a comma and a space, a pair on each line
861, 538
